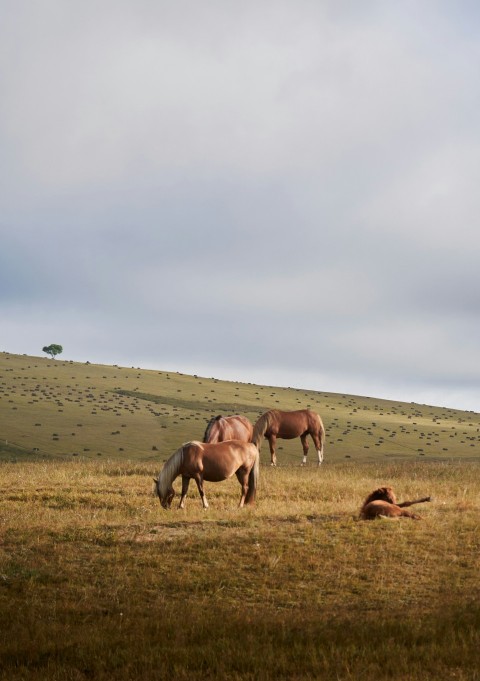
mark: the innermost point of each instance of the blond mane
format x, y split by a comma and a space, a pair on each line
169, 472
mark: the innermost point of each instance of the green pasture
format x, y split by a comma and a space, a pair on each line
63, 409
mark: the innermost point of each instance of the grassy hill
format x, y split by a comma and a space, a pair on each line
63, 409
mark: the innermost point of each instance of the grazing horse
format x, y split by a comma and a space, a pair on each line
222, 428
213, 463
382, 502
287, 425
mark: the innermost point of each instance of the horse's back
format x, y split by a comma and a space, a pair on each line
291, 424
221, 460
229, 449
223, 428
377, 508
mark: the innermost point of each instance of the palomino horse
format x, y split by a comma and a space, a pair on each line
213, 463
287, 425
382, 502
222, 428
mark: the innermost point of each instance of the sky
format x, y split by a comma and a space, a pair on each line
279, 192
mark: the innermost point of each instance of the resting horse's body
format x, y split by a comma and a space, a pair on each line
213, 463
382, 502
222, 428
288, 425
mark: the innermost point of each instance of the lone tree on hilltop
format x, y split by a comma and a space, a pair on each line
52, 350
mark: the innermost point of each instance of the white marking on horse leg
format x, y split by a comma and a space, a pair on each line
204, 501
304, 460
320, 456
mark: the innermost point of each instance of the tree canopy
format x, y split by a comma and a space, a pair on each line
52, 350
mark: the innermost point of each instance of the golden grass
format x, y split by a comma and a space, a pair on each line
97, 581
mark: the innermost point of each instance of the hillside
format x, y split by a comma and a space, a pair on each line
63, 409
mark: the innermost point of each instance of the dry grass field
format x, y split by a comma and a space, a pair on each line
97, 581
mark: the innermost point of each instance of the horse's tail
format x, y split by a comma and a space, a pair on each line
321, 435
253, 479
260, 428
206, 435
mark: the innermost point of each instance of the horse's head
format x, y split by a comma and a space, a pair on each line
382, 494
166, 500
388, 495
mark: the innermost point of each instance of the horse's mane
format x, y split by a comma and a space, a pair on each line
261, 427
209, 426
169, 472
381, 494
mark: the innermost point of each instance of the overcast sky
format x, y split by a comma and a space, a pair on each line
283, 192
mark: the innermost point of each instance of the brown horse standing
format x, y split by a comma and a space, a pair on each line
288, 425
382, 502
213, 463
222, 428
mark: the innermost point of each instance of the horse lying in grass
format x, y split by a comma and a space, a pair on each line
383, 503
222, 428
213, 463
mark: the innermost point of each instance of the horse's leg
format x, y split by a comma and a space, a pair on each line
242, 477
185, 483
303, 438
407, 514
199, 481
318, 446
410, 503
272, 440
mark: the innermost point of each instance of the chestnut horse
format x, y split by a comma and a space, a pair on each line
382, 502
287, 425
222, 428
213, 463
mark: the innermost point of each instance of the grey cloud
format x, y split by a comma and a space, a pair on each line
278, 190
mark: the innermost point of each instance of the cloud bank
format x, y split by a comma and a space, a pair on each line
283, 194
